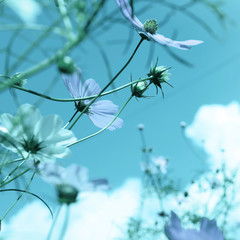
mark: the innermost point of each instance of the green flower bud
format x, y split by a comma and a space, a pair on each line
139, 88
66, 193
151, 26
159, 75
66, 65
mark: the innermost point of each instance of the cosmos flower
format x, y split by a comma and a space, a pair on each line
70, 181
33, 136
149, 28
208, 230
101, 112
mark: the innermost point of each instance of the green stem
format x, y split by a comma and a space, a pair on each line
32, 26
33, 45
71, 118
14, 170
15, 160
19, 175
66, 19
96, 133
65, 223
54, 223
18, 198
129, 60
77, 99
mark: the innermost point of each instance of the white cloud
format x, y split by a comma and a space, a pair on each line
27, 10
217, 128
96, 216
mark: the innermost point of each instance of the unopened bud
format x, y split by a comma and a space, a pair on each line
66, 193
66, 65
139, 88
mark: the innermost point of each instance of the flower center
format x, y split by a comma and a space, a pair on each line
151, 26
80, 106
32, 145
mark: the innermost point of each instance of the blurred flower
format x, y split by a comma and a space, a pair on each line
100, 113
161, 163
208, 230
30, 135
153, 167
27, 10
149, 28
183, 124
140, 127
70, 181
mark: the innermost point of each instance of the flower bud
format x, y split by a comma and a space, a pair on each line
66, 193
140, 127
151, 26
139, 88
159, 75
66, 65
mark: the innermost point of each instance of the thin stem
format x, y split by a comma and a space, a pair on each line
66, 19
19, 175
32, 26
18, 198
53, 223
65, 223
96, 133
79, 99
14, 170
15, 160
71, 118
61, 52
129, 60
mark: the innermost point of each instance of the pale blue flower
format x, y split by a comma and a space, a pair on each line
69, 181
33, 136
101, 112
208, 230
74, 175
149, 28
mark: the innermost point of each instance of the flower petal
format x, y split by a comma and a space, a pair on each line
209, 227
127, 13
101, 120
73, 83
184, 45
90, 87
104, 107
51, 172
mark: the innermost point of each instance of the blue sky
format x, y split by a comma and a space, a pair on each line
116, 155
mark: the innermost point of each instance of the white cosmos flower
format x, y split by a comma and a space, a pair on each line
31, 135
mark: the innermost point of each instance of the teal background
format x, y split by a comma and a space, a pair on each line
214, 78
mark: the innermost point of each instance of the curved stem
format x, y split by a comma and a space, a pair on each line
126, 64
79, 99
18, 198
96, 133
